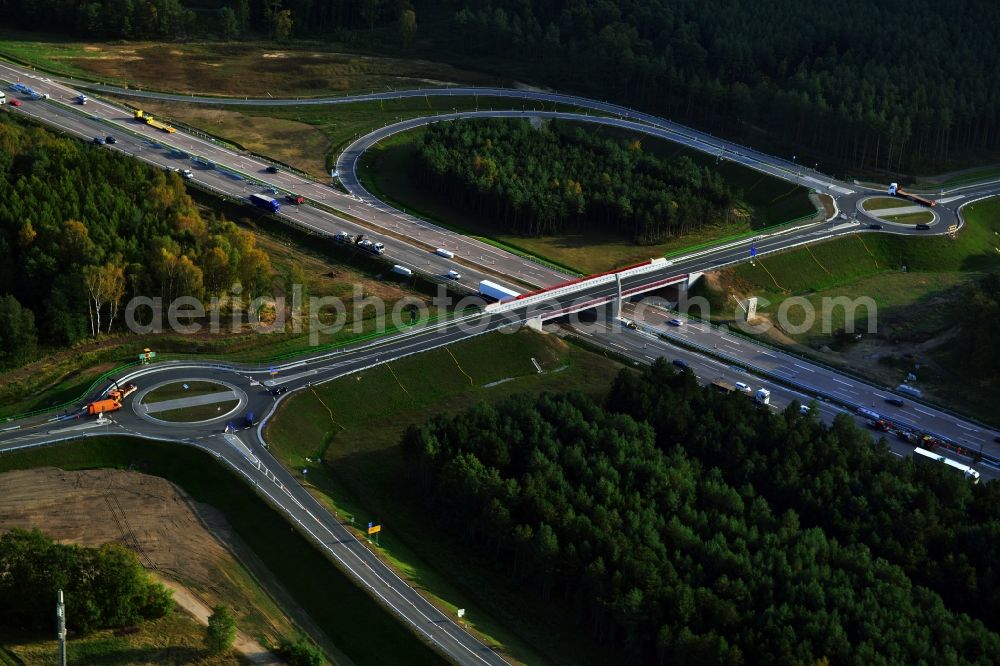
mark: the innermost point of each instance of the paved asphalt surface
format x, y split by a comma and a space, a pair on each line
411, 242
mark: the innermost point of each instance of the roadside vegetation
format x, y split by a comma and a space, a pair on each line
392, 168
114, 228
234, 68
346, 433
174, 639
354, 622
861, 100
745, 541
917, 284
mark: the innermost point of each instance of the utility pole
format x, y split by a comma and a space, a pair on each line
61, 624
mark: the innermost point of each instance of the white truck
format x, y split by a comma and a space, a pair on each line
3, 97
762, 397
402, 270
492, 291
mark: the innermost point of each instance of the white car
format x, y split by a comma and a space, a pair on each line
804, 409
676, 322
741, 387
187, 174
454, 275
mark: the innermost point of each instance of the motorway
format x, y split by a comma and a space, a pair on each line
410, 242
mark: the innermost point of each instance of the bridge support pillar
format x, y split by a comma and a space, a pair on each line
692, 278
535, 324
616, 310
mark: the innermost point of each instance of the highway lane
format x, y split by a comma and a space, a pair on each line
645, 345
98, 118
815, 378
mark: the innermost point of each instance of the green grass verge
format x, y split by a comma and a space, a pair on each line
354, 622
183, 390
353, 425
174, 639
385, 170
196, 413
882, 203
922, 217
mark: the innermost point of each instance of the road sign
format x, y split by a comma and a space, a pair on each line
753, 250
952, 228
460, 612
373, 528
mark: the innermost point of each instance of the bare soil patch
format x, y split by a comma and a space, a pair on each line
190, 546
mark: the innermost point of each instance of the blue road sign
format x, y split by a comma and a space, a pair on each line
753, 250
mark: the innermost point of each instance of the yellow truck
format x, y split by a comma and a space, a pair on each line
149, 120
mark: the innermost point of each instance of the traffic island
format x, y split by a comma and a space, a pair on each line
190, 401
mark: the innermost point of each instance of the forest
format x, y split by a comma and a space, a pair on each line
682, 525
102, 587
978, 314
83, 230
561, 177
894, 86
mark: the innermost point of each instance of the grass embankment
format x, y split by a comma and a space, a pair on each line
922, 217
914, 307
386, 171
302, 69
183, 390
174, 639
354, 425
354, 622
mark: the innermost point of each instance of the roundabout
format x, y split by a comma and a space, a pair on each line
189, 402
897, 212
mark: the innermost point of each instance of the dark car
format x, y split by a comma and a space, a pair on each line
680, 363
99, 141
112, 140
876, 227
923, 227
278, 390
898, 402
271, 169
248, 421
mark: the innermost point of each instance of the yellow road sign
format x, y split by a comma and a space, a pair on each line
372, 529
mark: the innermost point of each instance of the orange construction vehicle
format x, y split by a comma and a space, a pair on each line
102, 406
120, 393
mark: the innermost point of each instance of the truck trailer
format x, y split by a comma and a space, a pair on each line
270, 204
492, 291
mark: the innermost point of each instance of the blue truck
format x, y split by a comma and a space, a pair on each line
269, 204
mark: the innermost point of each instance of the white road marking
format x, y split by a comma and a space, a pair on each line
806, 368
841, 382
923, 411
